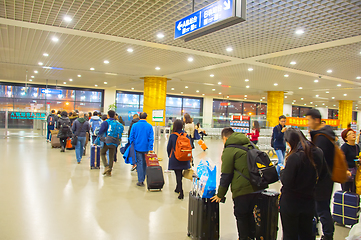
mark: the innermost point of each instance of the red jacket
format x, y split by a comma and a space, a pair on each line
254, 135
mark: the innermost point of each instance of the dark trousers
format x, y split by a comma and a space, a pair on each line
50, 128
255, 142
243, 211
179, 176
324, 213
103, 154
349, 186
63, 142
296, 218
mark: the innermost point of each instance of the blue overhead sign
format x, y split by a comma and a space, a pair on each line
211, 18
51, 91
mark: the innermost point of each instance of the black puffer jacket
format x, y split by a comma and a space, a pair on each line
64, 126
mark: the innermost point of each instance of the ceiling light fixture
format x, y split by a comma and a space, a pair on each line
345, 94
247, 80
299, 32
229, 49
247, 86
30, 80
186, 86
316, 81
96, 85
92, 69
130, 50
227, 96
181, 92
311, 102
329, 71
338, 85
212, 75
317, 95
245, 95
285, 96
213, 89
220, 93
67, 19
302, 98
327, 92
276, 84
40, 63
157, 68
79, 75
70, 80
190, 59
250, 69
113, 74
64, 82
32, 76
203, 94
219, 83
172, 89
333, 97
358, 77
286, 75
55, 39
35, 71
132, 88
105, 82
293, 63
300, 88
197, 91
106, 61
45, 54
160, 35
245, 98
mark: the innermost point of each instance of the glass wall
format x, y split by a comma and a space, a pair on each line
128, 104
332, 114
300, 112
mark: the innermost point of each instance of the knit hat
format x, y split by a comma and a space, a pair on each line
345, 132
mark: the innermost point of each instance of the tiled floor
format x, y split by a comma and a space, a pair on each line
46, 195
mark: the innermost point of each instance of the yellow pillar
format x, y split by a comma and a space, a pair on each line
345, 112
274, 107
155, 92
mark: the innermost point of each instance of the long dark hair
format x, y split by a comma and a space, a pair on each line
256, 125
177, 125
295, 138
188, 118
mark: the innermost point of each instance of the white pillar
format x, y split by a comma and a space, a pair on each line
109, 98
287, 110
323, 111
207, 112
359, 119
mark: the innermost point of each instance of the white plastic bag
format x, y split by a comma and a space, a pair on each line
355, 232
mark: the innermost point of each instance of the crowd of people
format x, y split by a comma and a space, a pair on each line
305, 172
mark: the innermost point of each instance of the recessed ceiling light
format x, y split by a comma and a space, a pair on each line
338, 85
181, 92
203, 94
219, 83
250, 69
40, 63
32, 76
186, 86
35, 71
229, 49
113, 74
285, 96
315, 105
323, 104
55, 39
276, 84
213, 89
160, 35
317, 95
212, 75
286, 75
247, 80
79, 75
70, 80
227, 96
263, 97
300, 88
316, 81
64, 82
245, 98
105, 83
247, 86
157, 68
96, 85
327, 92
197, 91
220, 93
67, 19
345, 94
130, 50
245, 95
261, 100
293, 63
172, 89
304, 104
358, 77
302, 98
106, 61
311, 102
299, 32
334, 105
92, 69
333, 97
45, 54
190, 59
132, 88
329, 71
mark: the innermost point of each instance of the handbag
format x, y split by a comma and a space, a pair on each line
188, 174
74, 139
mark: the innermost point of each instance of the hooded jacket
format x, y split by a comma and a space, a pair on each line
85, 128
135, 120
235, 159
325, 185
62, 121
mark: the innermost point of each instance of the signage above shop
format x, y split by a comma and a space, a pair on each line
302, 122
214, 17
223, 104
240, 118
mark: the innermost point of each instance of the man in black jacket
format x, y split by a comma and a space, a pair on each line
134, 120
324, 187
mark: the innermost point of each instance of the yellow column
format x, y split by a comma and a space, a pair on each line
345, 112
274, 107
155, 92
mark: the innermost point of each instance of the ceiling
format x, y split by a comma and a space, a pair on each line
266, 42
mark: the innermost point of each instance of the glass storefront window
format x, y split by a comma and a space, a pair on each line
250, 109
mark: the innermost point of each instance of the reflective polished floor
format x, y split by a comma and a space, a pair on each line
46, 195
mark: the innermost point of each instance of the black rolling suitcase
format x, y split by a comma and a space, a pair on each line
266, 215
203, 216
155, 178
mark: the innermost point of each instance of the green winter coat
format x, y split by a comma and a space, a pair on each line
235, 159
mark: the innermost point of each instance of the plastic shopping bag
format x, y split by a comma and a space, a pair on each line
355, 233
207, 173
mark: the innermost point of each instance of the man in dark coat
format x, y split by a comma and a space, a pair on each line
134, 120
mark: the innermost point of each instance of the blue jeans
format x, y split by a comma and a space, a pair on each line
48, 136
324, 213
141, 166
79, 148
281, 159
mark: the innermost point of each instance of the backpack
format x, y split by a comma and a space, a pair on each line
340, 166
114, 133
51, 120
273, 137
183, 148
95, 124
65, 128
262, 171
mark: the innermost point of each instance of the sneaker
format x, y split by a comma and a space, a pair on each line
108, 174
133, 168
78, 162
47, 141
106, 170
140, 184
